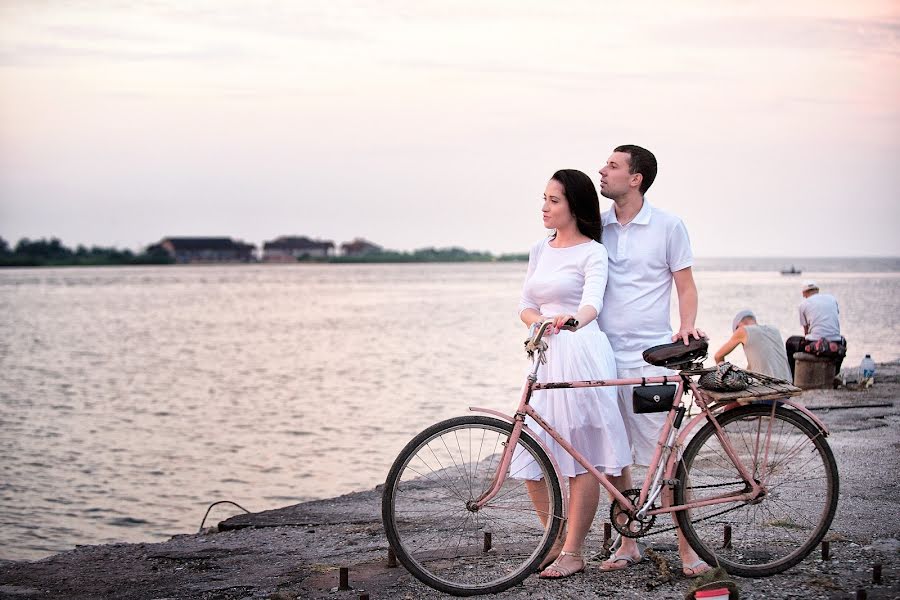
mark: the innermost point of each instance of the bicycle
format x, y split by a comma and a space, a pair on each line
754, 490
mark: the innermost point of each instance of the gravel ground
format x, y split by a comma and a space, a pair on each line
295, 552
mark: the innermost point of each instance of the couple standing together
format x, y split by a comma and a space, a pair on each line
613, 273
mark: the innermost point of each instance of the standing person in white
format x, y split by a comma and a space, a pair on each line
648, 250
567, 279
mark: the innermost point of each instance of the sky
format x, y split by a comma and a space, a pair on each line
418, 123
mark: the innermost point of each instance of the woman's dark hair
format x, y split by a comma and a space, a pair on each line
583, 201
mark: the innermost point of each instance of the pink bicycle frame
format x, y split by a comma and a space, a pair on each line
660, 472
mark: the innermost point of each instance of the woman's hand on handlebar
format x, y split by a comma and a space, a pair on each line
560, 322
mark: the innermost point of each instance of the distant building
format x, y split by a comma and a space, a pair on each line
205, 249
290, 249
360, 247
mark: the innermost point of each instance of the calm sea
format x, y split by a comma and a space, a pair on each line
132, 398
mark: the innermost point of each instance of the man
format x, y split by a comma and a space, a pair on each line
763, 346
648, 249
819, 316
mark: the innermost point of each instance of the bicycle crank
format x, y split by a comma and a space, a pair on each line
629, 525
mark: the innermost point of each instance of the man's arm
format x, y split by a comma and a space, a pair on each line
803, 321
739, 337
687, 305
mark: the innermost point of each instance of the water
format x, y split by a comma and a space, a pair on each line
132, 398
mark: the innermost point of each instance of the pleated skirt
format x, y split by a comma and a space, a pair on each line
588, 418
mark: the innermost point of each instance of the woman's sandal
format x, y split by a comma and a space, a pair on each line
554, 550
696, 569
562, 571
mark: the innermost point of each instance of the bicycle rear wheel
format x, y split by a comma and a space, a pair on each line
434, 533
778, 530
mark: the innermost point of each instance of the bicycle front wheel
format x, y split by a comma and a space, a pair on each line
439, 537
778, 530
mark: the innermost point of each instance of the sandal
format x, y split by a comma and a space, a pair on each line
611, 564
695, 569
563, 572
555, 549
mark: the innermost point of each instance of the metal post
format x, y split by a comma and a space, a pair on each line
861, 594
487, 541
727, 541
364, 596
607, 533
392, 559
826, 551
876, 573
344, 579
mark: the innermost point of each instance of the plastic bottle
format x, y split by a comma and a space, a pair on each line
867, 368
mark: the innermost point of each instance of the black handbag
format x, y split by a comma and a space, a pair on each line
653, 398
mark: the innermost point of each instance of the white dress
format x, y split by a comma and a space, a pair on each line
561, 280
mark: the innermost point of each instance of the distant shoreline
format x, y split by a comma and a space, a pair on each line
53, 253
847, 264
331, 260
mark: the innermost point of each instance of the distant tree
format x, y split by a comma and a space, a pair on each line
52, 252
154, 255
43, 250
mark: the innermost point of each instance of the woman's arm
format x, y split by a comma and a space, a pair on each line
530, 316
528, 308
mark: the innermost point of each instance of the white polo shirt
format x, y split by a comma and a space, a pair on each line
820, 312
642, 257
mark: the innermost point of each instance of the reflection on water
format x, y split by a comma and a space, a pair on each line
132, 398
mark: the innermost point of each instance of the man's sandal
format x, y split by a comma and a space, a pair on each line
612, 564
561, 571
695, 569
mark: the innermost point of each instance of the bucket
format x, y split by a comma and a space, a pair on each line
713, 594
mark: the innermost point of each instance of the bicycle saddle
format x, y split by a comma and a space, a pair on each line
677, 353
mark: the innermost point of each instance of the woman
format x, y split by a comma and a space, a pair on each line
566, 279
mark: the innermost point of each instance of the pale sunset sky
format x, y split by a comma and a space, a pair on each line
422, 123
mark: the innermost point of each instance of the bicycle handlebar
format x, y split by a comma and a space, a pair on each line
539, 332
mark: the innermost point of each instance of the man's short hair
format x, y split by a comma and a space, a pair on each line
642, 161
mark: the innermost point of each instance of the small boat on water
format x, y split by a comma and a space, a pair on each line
792, 271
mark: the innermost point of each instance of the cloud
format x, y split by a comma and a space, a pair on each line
861, 36
34, 54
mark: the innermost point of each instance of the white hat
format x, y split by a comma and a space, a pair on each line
743, 314
809, 285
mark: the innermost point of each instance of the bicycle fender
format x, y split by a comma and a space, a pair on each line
530, 433
808, 413
798, 407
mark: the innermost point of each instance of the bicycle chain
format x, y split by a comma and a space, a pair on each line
645, 532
